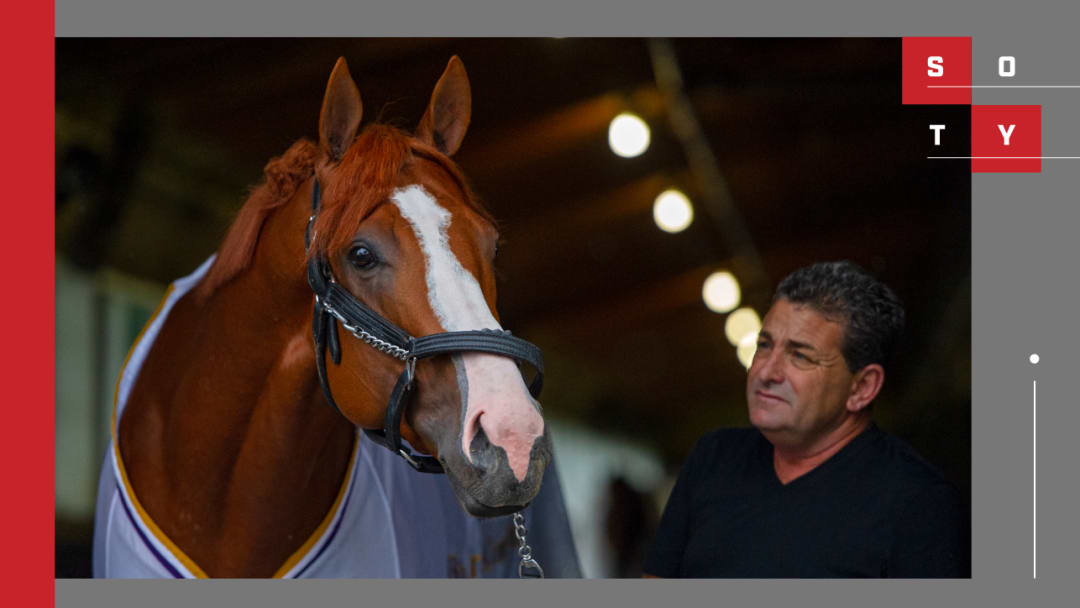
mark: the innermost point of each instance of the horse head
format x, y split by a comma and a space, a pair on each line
400, 230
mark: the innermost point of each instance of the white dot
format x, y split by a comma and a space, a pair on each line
628, 135
721, 292
1034, 358
672, 211
746, 349
740, 323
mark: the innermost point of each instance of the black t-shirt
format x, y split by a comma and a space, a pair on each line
874, 509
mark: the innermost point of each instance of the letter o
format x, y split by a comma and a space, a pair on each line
1006, 66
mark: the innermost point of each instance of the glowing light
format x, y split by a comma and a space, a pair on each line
721, 292
628, 135
746, 349
740, 323
672, 211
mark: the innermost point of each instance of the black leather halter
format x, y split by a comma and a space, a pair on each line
334, 303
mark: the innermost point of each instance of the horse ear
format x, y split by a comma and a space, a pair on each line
341, 110
447, 116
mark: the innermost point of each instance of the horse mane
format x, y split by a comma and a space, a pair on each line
354, 187
282, 176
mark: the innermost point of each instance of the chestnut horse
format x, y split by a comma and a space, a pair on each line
228, 459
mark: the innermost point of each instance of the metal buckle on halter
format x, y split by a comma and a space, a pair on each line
410, 370
408, 458
309, 232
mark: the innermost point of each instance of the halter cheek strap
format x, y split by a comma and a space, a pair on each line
334, 303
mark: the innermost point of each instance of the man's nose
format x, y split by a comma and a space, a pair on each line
771, 367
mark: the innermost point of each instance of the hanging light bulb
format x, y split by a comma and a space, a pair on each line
740, 323
628, 135
746, 349
721, 292
672, 211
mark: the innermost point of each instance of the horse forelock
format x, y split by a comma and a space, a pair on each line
365, 177
369, 173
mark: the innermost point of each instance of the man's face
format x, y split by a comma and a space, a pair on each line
798, 385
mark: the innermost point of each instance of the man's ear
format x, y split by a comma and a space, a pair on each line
865, 386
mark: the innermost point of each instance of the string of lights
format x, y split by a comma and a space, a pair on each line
629, 136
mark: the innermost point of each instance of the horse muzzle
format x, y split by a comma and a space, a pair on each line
487, 486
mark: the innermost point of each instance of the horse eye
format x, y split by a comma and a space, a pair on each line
362, 257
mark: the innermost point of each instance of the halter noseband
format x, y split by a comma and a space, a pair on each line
334, 303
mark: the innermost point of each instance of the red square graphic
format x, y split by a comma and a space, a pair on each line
1021, 126
929, 62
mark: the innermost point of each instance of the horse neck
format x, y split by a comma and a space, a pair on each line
256, 332
250, 450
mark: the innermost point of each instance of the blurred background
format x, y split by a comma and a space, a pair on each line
650, 193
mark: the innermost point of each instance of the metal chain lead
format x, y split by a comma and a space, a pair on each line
381, 345
525, 551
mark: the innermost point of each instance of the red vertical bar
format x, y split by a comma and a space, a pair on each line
28, 305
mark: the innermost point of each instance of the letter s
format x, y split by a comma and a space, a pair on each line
936, 65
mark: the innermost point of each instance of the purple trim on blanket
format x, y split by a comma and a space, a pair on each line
337, 526
127, 509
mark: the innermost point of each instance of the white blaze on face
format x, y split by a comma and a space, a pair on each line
495, 395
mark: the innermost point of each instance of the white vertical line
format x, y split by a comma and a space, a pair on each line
1034, 477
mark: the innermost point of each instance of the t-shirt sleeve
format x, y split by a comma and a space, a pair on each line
665, 556
932, 537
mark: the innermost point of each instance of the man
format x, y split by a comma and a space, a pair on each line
815, 489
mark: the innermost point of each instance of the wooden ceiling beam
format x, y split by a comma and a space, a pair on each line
577, 309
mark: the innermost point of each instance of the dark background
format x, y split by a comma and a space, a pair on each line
158, 141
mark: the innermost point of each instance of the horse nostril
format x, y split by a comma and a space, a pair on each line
480, 451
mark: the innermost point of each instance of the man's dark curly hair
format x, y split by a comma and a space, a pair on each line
872, 315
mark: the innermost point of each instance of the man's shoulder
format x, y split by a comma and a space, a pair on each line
725, 444
730, 438
903, 466
930, 533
